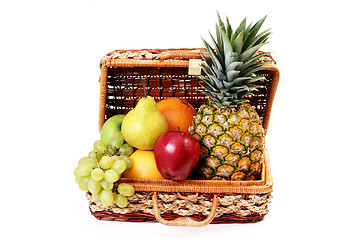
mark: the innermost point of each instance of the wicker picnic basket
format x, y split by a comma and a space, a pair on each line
165, 73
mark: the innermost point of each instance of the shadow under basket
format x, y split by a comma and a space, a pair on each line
165, 73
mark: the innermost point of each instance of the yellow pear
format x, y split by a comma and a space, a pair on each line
144, 124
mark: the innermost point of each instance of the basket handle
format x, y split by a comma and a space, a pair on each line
187, 197
181, 54
184, 221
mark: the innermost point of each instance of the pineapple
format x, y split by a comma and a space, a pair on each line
229, 130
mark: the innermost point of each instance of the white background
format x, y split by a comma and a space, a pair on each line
49, 98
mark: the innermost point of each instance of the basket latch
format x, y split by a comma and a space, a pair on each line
194, 67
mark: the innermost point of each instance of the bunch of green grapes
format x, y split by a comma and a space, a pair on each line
98, 172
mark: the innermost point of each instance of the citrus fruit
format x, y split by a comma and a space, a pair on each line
177, 112
143, 166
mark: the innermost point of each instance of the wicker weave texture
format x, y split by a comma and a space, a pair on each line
262, 186
231, 208
248, 202
123, 79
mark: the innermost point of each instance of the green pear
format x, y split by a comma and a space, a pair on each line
144, 124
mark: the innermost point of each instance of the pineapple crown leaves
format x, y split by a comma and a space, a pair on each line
232, 62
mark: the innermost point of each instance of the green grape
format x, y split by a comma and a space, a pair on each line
111, 150
92, 155
111, 175
99, 155
84, 159
78, 179
107, 185
94, 186
106, 162
117, 140
90, 161
76, 172
121, 200
83, 170
126, 189
96, 196
126, 149
83, 183
97, 174
107, 197
115, 158
127, 160
99, 146
119, 166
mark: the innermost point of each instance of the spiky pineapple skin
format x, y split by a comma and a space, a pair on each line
232, 142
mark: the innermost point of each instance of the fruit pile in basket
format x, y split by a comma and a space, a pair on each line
169, 139
99, 172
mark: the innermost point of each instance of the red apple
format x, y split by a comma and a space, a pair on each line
176, 154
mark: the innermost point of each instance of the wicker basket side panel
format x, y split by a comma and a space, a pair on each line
231, 208
125, 86
260, 98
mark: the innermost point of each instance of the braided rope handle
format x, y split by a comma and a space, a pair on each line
184, 221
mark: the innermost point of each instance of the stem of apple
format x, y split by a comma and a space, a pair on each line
178, 129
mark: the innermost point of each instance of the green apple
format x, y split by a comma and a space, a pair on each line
111, 131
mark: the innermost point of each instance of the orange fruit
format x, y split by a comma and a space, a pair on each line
177, 113
143, 166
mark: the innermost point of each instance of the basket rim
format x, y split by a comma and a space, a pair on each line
172, 57
144, 63
160, 63
262, 186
